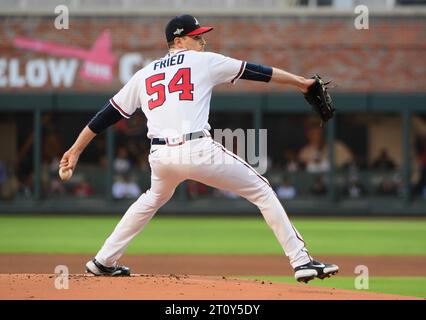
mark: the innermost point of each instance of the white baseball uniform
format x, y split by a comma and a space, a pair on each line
174, 93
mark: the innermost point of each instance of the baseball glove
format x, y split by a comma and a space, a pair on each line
320, 100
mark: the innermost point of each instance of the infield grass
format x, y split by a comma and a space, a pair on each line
185, 235
405, 286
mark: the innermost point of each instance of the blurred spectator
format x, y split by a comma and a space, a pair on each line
24, 162
397, 181
121, 162
291, 164
390, 185
355, 166
386, 133
51, 180
26, 183
226, 194
286, 190
386, 187
316, 147
56, 187
383, 161
100, 155
317, 164
52, 147
125, 188
9, 184
354, 188
142, 157
133, 129
196, 189
83, 189
131, 134
421, 161
319, 187
353, 170
3, 173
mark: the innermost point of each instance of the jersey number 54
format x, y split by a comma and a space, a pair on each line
181, 82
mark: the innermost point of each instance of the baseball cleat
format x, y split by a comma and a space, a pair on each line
314, 269
97, 269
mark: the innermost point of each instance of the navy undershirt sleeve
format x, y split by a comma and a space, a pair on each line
257, 72
106, 117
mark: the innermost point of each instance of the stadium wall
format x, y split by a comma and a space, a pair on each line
101, 53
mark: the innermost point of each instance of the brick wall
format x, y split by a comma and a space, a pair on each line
390, 56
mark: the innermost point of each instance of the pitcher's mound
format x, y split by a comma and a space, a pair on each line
168, 287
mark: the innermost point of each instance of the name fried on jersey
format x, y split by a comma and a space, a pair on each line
167, 62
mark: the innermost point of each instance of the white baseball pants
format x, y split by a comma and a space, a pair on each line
208, 162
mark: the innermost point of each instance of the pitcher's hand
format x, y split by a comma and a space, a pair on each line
69, 160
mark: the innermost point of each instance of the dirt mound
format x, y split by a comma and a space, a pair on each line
168, 287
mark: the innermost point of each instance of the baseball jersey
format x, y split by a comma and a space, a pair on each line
174, 92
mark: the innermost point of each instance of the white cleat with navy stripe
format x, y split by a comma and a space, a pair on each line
315, 269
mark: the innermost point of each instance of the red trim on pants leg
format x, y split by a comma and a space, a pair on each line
244, 163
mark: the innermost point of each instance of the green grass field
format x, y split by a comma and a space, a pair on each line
183, 235
406, 286
213, 236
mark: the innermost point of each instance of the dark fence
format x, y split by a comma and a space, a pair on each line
359, 186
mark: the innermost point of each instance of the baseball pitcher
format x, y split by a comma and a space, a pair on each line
174, 93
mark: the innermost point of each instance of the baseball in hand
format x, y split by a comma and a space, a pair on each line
65, 174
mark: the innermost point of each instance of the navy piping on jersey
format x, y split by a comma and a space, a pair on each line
243, 66
116, 106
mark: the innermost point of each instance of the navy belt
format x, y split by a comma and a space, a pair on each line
188, 136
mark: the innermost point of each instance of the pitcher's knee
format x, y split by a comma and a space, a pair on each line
157, 200
261, 196
161, 200
152, 201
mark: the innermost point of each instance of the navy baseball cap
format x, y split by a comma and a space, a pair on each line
184, 25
